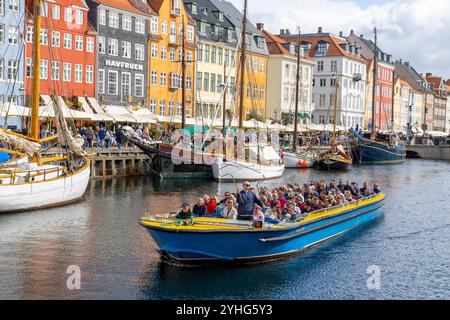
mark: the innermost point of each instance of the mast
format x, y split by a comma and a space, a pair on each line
374, 82
243, 65
335, 107
183, 79
297, 84
224, 97
34, 131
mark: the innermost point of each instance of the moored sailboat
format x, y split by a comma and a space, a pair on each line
43, 182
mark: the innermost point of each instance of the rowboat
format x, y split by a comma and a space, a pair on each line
215, 240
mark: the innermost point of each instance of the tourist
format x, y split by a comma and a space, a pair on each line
257, 217
376, 188
246, 201
199, 208
210, 204
185, 212
229, 211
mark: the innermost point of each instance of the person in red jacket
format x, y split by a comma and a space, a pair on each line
210, 204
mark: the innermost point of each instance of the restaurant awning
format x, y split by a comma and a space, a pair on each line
100, 114
120, 114
143, 115
67, 112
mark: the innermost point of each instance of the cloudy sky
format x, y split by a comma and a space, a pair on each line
416, 30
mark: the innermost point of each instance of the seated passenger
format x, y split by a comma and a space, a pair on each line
185, 212
210, 204
258, 217
376, 188
199, 208
229, 211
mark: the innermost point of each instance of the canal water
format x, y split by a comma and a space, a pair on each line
409, 245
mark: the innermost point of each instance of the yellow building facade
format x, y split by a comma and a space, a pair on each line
167, 31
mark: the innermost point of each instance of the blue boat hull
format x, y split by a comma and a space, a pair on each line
4, 156
257, 245
373, 152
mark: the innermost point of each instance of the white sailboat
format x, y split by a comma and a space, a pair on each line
259, 162
43, 182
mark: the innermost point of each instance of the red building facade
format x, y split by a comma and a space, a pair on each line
68, 49
384, 97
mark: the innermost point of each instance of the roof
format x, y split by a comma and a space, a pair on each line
277, 45
79, 3
368, 48
156, 4
435, 82
335, 49
407, 73
236, 17
135, 6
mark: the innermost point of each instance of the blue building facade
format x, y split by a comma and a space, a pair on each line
12, 53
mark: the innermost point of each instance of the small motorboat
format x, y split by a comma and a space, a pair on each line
213, 239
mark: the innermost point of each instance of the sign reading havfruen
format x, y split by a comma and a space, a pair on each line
124, 65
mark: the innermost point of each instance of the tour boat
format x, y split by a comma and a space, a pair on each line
267, 164
217, 240
298, 160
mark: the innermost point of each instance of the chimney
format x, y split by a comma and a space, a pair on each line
352, 32
260, 26
361, 36
341, 34
319, 30
407, 64
429, 74
281, 32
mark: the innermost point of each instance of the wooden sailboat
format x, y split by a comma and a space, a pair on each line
376, 148
43, 182
267, 163
295, 158
336, 158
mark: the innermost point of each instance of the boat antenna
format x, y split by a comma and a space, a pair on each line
374, 82
243, 64
34, 131
297, 84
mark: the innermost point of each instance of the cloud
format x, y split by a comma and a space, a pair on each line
414, 30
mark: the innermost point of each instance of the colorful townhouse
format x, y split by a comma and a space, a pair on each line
68, 50
122, 28
336, 61
168, 27
282, 80
216, 59
447, 113
439, 101
11, 60
384, 82
255, 74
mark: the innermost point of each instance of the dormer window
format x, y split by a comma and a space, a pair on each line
205, 11
322, 48
194, 8
220, 16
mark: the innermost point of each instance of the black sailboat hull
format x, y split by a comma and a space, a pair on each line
332, 165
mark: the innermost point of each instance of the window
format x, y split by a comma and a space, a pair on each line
213, 83
322, 47
101, 81
153, 105
102, 17
164, 26
140, 26
79, 43
56, 12
153, 78
113, 47
189, 83
171, 108
28, 71
126, 86
286, 70
139, 51
172, 54
200, 52
29, 35
1, 68
206, 81
190, 33
199, 81
56, 70
68, 14
13, 35
319, 65
89, 74
249, 90
333, 67
256, 64
261, 92
2, 32
213, 54
126, 22
112, 82
78, 73
79, 17
90, 44
56, 39
163, 79
13, 5
44, 7
255, 91
162, 107
114, 22
206, 53
139, 85
101, 45
154, 25
67, 41
163, 52
323, 82
44, 36
13, 66
67, 72
126, 49
154, 50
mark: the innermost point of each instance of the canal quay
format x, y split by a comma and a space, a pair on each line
101, 236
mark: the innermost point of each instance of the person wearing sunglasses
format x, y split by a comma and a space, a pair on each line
246, 200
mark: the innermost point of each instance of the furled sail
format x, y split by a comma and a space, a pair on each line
75, 144
29, 147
